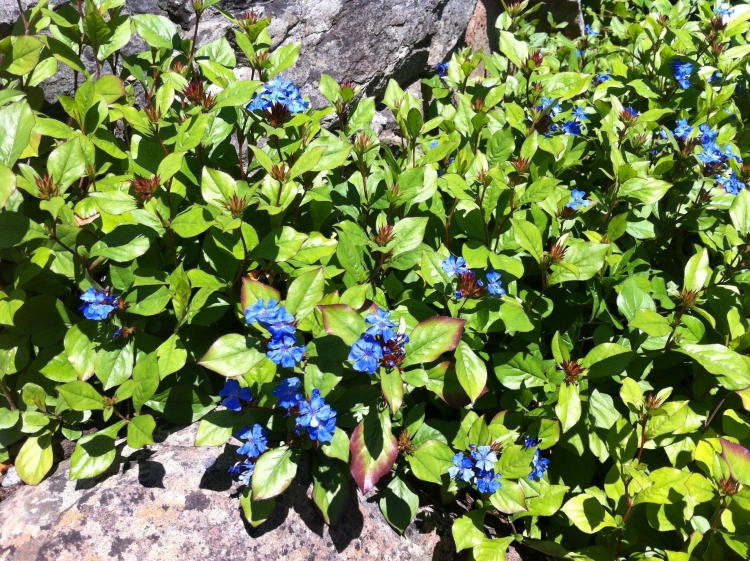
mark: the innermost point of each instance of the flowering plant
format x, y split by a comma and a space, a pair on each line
532, 304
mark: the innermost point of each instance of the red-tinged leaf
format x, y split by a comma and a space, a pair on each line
253, 290
433, 337
343, 321
737, 458
373, 450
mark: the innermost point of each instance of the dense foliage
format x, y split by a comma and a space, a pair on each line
531, 303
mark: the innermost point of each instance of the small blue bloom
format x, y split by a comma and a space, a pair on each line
495, 283
244, 469
324, 431
117, 333
712, 154
442, 69
591, 31
724, 9
279, 91
682, 71
539, 465
732, 184
707, 133
461, 468
550, 102
601, 78
434, 144
580, 53
531, 441
731, 154
663, 134
314, 412
283, 351
579, 113
97, 304
577, 200
233, 393
366, 354
288, 393
572, 128
715, 77
682, 130
282, 323
484, 456
262, 313
455, 266
381, 325
488, 482
459, 294
255, 441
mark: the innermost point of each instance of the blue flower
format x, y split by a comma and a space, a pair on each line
580, 53
724, 9
550, 102
539, 465
732, 184
282, 323
117, 334
256, 441
288, 393
712, 154
442, 69
459, 294
488, 482
531, 441
381, 325
484, 456
601, 78
731, 154
244, 469
572, 128
233, 393
577, 200
98, 304
715, 77
682, 71
707, 133
682, 130
495, 283
283, 351
366, 354
455, 266
262, 313
579, 113
279, 91
590, 31
317, 417
434, 144
461, 468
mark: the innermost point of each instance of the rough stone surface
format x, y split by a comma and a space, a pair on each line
11, 478
175, 501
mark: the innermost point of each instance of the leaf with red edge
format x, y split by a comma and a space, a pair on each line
373, 450
737, 458
252, 291
343, 321
433, 337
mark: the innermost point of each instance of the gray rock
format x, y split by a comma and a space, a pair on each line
11, 478
175, 501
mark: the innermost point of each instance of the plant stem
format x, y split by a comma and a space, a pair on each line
23, 17
66, 247
7, 396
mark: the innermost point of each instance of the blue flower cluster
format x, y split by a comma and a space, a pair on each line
591, 31
682, 129
478, 466
682, 71
255, 444
539, 464
280, 323
577, 200
724, 9
280, 91
380, 344
234, 395
442, 69
313, 414
713, 156
469, 285
732, 184
547, 126
98, 304
601, 78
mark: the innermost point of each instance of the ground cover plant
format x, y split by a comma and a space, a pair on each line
532, 303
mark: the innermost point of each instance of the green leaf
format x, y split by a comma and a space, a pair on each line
516, 51
588, 258
67, 163
332, 489
651, 323
81, 396
393, 389
256, 512
191, 132
564, 85
697, 271
739, 212
274, 472
500, 146
16, 122
407, 235
607, 360
730, 367
468, 530
587, 514
232, 355
399, 504
493, 549
140, 431
430, 461
236, 94
192, 222
307, 161
509, 498
528, 237
94, 453
646, 190
373, 450
343, 321
34, 459
471, 371
431, 338
15, 229
664, 483
515, 462
23, 56
568, 407
157, 31
305, 293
